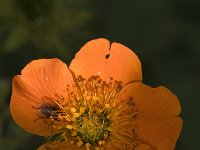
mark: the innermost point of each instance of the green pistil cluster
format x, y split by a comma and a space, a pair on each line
93, 127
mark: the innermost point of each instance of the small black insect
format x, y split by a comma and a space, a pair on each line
47, 111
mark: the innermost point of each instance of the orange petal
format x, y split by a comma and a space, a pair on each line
122, 64
157, 121
48, 75
161, 133
39, 79
153, 102
60, 146
142, 146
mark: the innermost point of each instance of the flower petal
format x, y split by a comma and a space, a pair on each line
142, 146
161, 133
99, 57
157, 121
59, 146
153, 102
39, 79
48, 75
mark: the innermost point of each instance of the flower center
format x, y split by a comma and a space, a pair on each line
92, 126
92, 113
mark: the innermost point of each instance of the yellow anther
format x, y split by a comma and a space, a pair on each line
82, 110
100, 110
76, 115
51, 117
79, 97
69, 127
109, 116
74, 127
87, 145
73, 110
79, 143
71, 142
88, 97
91, 111
100, 142
107, 105
78, 138
74, 133
84, 102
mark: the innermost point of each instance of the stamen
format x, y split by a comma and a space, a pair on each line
92, 113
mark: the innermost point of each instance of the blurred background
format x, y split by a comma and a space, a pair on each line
164, 34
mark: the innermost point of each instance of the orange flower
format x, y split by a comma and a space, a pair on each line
100, 102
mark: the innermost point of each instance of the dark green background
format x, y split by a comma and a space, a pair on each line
164, 34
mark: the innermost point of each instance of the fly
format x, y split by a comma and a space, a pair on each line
47, 111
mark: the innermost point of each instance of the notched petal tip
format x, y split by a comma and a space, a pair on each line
99, 57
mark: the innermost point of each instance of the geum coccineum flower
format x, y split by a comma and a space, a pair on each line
100, 102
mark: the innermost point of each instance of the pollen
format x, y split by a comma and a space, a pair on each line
107, 106
69, 126
79, 143
93, 114
73, 110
